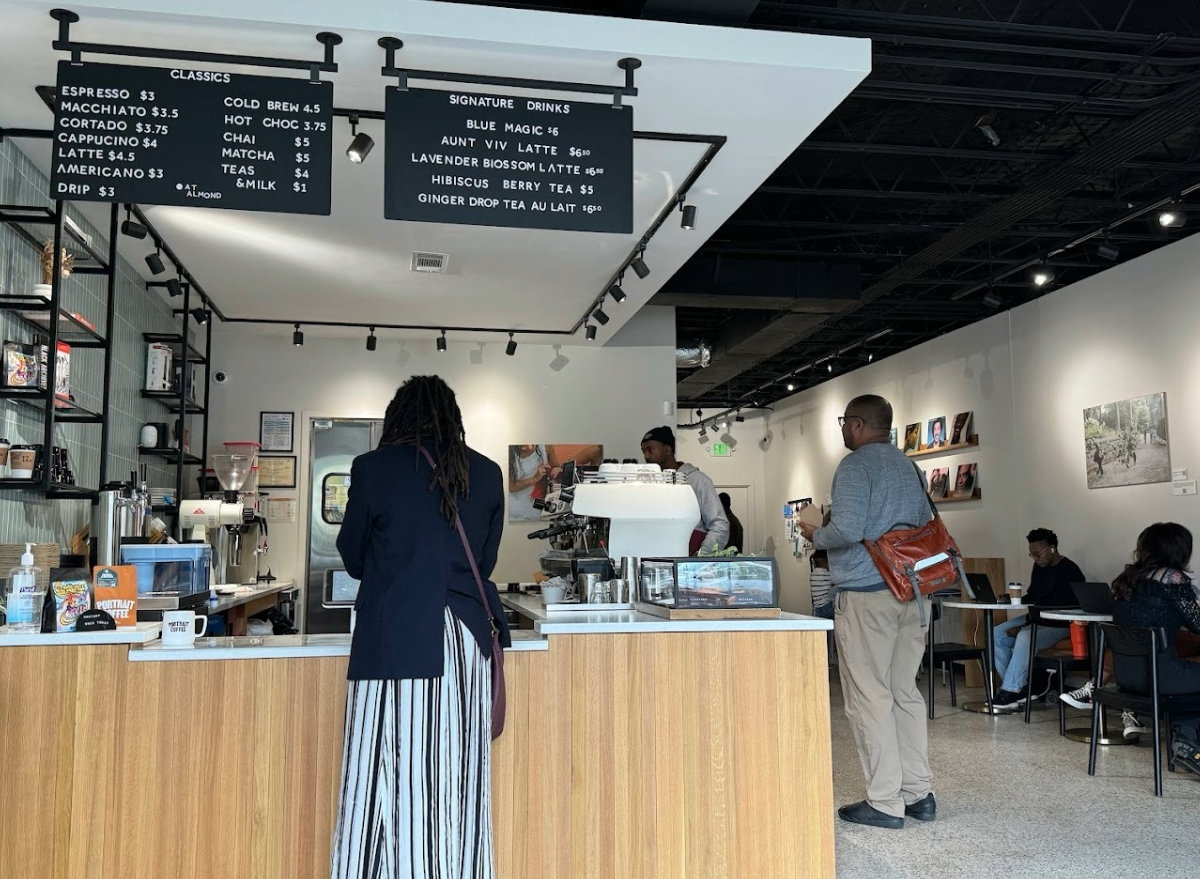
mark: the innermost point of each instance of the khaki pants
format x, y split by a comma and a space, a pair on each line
880, 644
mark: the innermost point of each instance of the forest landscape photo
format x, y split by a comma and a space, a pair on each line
1127, 442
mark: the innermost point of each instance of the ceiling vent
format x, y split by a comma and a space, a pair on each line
430, 262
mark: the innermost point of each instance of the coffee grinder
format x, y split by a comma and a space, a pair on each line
222, 522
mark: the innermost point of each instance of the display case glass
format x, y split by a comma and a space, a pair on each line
737, 581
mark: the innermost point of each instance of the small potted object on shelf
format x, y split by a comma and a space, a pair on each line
43, 290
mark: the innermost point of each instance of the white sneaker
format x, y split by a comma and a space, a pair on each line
1081, 698
1133, 729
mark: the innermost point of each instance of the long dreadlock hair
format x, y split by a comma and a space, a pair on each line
425, 409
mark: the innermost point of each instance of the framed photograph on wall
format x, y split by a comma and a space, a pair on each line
277, 472
937, 433
1127, 442
275, 431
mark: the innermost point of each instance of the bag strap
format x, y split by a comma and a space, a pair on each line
925, 491
462, 533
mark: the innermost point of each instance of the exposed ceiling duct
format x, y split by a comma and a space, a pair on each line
694, 356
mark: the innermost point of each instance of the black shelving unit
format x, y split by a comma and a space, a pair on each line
59, 325
180, 402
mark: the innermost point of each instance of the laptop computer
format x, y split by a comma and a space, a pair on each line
979, 587
1094, 597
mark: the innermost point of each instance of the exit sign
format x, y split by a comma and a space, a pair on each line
718, 450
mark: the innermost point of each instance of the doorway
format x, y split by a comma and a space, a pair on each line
741, 503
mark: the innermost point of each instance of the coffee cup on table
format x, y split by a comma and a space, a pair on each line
1014, 593
179, 628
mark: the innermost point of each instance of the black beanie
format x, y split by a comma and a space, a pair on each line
664, 435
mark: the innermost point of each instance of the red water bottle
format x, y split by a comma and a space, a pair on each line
1079, 640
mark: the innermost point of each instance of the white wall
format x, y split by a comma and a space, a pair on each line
743, 467
1027, 374
610, 395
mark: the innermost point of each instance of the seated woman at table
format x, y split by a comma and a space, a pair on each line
1156, 592
1049, 586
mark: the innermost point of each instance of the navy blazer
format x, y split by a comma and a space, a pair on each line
411, 564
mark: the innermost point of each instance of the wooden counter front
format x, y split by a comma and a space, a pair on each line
653, 756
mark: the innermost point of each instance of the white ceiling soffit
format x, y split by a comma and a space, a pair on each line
765, 91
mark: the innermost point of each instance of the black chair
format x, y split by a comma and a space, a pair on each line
1061, 661
1143, 643
940, 654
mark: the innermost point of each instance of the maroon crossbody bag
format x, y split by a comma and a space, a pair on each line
499, 694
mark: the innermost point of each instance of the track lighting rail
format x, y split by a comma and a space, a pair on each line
64, 43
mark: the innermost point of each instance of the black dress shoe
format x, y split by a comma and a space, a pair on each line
924, 809
865, 813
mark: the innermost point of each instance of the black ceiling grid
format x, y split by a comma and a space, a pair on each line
991, 133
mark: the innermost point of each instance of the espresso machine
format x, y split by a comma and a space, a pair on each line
225, 522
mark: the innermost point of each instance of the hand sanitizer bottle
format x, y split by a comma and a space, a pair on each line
26, 593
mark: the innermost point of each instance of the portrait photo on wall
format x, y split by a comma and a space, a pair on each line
962, 428
532, 470
939, 482
893, 436
1126, 443
937, 433
912, 437
965, 480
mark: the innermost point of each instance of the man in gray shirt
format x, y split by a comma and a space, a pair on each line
712, 531
876, 489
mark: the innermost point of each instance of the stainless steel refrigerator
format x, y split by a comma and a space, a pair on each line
333, 445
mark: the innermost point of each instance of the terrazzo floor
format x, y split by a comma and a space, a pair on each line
1015, 800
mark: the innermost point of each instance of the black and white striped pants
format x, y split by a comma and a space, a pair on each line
416, 780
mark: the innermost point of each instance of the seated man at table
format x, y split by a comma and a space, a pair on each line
1049, 586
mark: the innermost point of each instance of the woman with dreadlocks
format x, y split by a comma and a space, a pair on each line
416, 765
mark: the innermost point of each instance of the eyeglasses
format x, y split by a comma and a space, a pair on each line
843, 418
1041, 552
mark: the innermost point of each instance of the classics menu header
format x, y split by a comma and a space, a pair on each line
193, 138
500, 160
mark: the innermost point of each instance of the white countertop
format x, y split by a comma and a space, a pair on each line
635, 622
282, 647
532, 607
144, 633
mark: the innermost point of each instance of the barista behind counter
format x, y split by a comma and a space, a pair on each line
658, 447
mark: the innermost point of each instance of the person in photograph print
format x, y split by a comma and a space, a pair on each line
527, 467
965, 483
938, 482
937, 433
912, 437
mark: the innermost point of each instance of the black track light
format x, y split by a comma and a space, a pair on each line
372, 342
639, 266
1042, 275
297, 337
362, 144
591, 332
866, 356
200, 315
511, 348
991, 300
154, 262
441, 342
688, 220
617, 294
739, 418
1109, 251
174, 287
132, 229
600, 316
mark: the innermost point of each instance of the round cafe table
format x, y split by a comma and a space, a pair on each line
1084, 733
989, 647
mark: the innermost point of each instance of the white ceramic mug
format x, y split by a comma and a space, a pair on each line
179, 628
553, 594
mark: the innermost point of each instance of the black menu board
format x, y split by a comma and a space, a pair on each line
502, 160
195, 138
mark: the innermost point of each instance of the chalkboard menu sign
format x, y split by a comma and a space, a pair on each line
195, 138
501, 160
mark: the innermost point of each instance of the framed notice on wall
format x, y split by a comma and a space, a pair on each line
275, 431
277, 472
